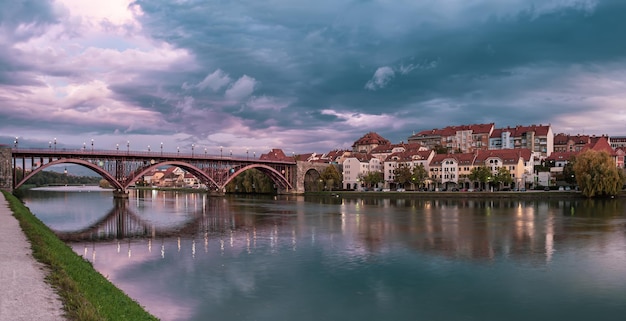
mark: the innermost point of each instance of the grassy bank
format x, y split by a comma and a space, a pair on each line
85, 293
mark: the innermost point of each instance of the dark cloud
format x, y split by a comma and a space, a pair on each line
224, 71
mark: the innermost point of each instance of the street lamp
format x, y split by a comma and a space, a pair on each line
177, 150
148, 148
92, 145
246, 153
161, 148
192, 147
205, 152
50, 145
84, 146
231, 153
15, 142
55, 144
254, 155
128, 146
220, 151
117, 147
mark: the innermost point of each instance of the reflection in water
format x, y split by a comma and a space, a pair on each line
191, 256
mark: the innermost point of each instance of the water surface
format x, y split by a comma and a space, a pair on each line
193, 257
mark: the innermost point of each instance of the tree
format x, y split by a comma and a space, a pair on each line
419, 175
402, 175
371, 178
440, 149
569, 176
332, 177
597, 175
480, 174
503, 177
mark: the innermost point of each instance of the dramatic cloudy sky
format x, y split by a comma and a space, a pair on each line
304, 75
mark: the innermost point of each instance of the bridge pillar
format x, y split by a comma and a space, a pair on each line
6, 168
120, 194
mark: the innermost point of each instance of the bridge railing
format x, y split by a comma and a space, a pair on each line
133, 153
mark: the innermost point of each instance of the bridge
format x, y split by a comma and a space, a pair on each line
123, 168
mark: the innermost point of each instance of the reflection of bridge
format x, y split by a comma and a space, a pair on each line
121, 222
123, 168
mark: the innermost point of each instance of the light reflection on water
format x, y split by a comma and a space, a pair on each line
194, 257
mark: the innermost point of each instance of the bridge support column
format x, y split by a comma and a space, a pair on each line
120, 194
6, 169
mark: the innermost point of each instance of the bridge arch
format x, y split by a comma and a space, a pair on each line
197, 172
276, 176
106, 175
312, 170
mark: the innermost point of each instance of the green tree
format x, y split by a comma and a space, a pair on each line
251, 181
402, 175
371, 179
503, 177
332, 177
419, 175
440, 149
597, 175
480, 174
569, 176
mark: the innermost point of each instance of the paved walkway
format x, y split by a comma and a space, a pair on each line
24, 295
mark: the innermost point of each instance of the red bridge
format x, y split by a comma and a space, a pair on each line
122, 168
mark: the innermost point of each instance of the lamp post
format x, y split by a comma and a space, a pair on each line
15, 142
177, 150
92, 145
128, 147
50, 145
205, 152
55, 144
161, 148
254, 155
231, 153
84, 146
220, 151
148, 148
192, 147
246, 153
117, 147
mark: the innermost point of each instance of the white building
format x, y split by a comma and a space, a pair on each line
356, 166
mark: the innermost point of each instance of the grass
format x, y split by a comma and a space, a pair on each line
85, 293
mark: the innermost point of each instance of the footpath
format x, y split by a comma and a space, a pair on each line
24, 293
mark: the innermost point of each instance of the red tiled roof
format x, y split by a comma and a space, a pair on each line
560, 156
371, 138
540, 130
276, 154
452, 130
601, 145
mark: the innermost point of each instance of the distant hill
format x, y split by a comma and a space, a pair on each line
73, 170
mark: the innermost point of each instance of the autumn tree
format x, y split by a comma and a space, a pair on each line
597, 175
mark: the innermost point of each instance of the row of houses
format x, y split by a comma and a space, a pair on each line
449, 154
539, 139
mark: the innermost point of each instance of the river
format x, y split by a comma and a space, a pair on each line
189, 256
